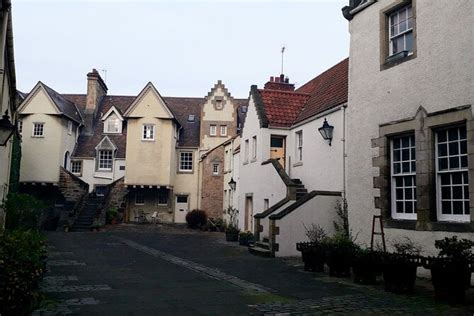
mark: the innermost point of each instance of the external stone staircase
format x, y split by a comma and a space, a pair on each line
262, 247
86, 217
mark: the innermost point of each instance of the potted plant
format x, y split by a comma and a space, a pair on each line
66, 227
399, 268
112, 215
451, 270
246, 238
232, 230
312, 252
340, 252
367, 264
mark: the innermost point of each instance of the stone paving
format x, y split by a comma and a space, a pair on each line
164, 270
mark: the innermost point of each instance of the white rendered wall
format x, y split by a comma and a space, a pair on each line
93, 177
440, 77
260, 181
322, 165
319, 210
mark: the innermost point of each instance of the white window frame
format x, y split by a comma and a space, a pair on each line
37, 129
148, 132
20, 126
69, 127
213, 130
160, 196
392, 37
223, 130
116, 124
185, 161
140, 201
215, 169
464, 179
254, 147
403, 176
105, 159
299, 146
74, 164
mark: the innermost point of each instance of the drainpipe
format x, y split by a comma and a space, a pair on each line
344, 154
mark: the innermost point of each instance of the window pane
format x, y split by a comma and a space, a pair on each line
408, 181
413, 167
396, 143
405, 154
453, 162
409, 41
464, 147
406, 167
399, 207
445, 179
442, 150
453, 149
452, 134
396, 155
458, 208
405, 141
408, 194
463, 161
399, 194
443, 163
446, 193
457, 178
462, 132
457, 192
399, 182
408, 207
402, 26
446, 207
442, 136
467, 211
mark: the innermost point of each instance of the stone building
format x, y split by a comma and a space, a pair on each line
149, 145
410, 128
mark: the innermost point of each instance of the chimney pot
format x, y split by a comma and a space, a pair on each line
277, 79
282, 78
272, 79
287, 80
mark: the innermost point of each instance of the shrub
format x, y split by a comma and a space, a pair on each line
23, 211
315, 233
22, 264
111, 214
233, 225
196, 219
454, 248
406, 246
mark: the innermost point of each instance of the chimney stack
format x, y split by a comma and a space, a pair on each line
280, 83
96, 90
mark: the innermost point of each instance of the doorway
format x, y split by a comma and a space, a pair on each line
181, 208
278, 149
248, 213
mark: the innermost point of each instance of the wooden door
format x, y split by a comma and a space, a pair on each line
278, 149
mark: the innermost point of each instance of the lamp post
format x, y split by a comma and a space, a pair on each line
326, 131
232, 184
6, 129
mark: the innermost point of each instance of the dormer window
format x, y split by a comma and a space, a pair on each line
112, 121
113, 125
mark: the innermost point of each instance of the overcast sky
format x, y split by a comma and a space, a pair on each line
183, 47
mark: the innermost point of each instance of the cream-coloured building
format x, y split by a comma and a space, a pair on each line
150, 146
410, 154
8, 115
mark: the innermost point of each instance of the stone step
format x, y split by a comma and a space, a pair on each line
260, 252
263, 245
265, 239
297, 181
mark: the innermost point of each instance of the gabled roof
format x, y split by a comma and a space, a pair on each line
278, 108
149, 87
63, 105
113, 109
327, 90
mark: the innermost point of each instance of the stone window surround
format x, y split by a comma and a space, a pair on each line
384, 34
423, 125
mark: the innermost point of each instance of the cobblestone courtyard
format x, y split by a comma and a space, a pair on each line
162, 270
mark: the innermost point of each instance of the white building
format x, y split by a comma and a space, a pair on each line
289, 175
410, 125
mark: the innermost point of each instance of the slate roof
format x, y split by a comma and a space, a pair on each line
327, 90
65, 106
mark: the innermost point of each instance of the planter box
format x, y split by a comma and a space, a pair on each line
450, 279
312, 255
399, 273
366, 267
231, 236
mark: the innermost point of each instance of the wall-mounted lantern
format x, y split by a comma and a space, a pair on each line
232, 184
326, 131
6, 129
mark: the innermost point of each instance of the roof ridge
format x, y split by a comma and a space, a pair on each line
286, 91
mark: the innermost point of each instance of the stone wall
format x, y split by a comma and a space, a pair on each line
117, 195
213, 185
71, 186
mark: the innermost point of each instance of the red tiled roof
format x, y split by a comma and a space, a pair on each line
327, 90
282, 107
